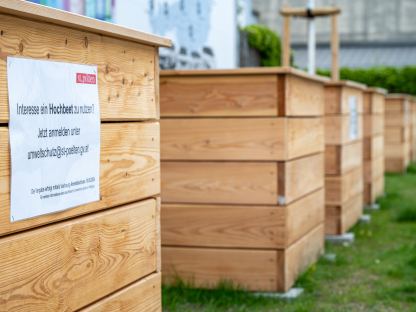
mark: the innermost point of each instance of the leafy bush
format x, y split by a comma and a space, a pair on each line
266, 42
395, 80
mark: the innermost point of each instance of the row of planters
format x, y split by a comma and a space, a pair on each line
257, 165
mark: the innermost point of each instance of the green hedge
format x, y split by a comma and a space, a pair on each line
266, 42
395, 80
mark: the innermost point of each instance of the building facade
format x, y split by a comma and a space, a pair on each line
372, 32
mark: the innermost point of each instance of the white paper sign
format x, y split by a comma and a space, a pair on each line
54, 136
352, 102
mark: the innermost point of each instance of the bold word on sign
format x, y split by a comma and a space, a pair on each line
54, 136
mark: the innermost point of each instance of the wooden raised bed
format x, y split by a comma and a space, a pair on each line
110, 257
343, 155
413, 129
373, 156
242, 176
397, 132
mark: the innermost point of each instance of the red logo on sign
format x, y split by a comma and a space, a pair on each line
86, 78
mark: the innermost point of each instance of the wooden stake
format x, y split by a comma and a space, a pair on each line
334, 48
286, 41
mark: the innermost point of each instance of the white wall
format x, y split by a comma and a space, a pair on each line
192, 25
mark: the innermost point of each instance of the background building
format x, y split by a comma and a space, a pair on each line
372, 32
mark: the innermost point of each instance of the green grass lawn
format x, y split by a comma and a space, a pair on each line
376, 273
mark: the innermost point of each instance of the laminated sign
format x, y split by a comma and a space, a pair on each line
352, 102
54, 136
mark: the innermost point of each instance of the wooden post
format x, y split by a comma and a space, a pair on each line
288, 13
286, 41
334, 48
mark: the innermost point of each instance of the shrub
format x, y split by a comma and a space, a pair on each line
266, 42
395, 80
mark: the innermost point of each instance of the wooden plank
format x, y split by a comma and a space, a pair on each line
235, 226
59, 17
301, 176
302, 12
339, 219
251, 71
337, 98
58, 267
373, 102
220, 182
144, 295
373, 125
397, 134
340, 159
373, 169
305, 136
220, 96
126, 72
240, 139
397, 150
373, 190
332, 99
206, 267
395, 165
303, 96
340, 189
396, 120
302, 255
398, 105
373, 147
379, 186
129, 171
337, 129
224, 139
352, 212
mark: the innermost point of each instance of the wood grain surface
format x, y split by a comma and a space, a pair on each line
236, 226
339, 189
301, 255
373, 147
255, 270
240, 139
48, 15
126, 70
374, 102
337, 99
373, 125
219, 96
303, 97
337, 129
301, 177
143, 295
219, 182
65, 266
340, 159
339, 219
129, 171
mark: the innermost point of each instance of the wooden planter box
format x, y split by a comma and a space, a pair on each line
343, 155
373, 144
110, 256
397, 132
242, 176
413, 129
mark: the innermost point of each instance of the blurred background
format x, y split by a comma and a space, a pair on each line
378, 37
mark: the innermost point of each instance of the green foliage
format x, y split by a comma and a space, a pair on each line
395, 80
266, 42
